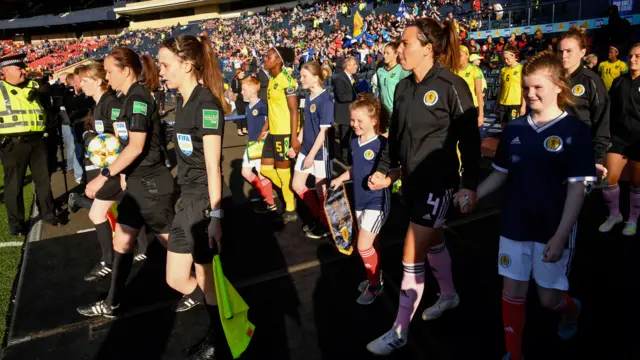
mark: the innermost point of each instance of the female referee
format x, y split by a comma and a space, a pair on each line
196, 233
433, 111
94, 83
625, 145
147, 182
544, 160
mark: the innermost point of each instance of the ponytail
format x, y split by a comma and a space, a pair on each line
198, 51
443, 38
450, 46
150, 77
211, 75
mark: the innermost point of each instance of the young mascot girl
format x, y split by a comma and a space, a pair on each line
543, 160
372, 206
314, 153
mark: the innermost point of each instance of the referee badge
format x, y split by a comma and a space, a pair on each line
505, 260
99, 126
185, 144
121, 130
255, 112
369, 154
312, 108
553, 143
578, 90
430, 98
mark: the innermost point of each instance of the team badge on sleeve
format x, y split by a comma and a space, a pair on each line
255, 112
578, 90
369, 154
185, 144
115, 113
138, 108
312, 108
210, 119
430, 98
553, 143
505, 260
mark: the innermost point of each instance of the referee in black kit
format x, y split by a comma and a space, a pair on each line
22, 129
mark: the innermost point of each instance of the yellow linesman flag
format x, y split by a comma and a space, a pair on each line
233, 312
357, 24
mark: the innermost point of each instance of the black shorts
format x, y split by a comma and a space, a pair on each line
148, 201
507, 113
276, 147
188, 233
630, 150
430, 207
111, 191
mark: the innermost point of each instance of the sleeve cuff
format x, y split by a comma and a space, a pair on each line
325, 125
582, 178
501, 169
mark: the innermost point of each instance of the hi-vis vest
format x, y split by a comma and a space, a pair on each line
18, 115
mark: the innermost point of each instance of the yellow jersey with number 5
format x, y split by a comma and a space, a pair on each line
511, 85
610, 71
280, 88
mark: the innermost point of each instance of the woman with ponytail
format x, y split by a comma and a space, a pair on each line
94, 83
147, 183
433, 112
196, 232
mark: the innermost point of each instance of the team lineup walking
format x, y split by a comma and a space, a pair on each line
409, 142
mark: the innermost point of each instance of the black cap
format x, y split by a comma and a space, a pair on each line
15, 60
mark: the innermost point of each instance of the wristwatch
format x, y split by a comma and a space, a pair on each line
214, 213
106, 172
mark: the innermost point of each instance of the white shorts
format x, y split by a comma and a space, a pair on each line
320, 168
518, 260
246, 163
371, 220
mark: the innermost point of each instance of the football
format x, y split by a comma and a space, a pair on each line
104, 149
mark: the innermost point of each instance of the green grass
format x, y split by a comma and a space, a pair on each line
9, 256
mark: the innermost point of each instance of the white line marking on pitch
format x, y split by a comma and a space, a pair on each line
86, 230
11, 244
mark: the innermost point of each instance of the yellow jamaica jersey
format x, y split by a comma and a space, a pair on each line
470, 74
610, 71
511, 85
280, 87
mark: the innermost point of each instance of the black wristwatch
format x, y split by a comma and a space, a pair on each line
106, 173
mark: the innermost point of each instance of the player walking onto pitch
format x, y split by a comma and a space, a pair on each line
94, 83
372, 206
510, 103
591, 102
611, 68
433, 111
257, 112
196, 233
625, 145
313, 158
543, 159
282, 102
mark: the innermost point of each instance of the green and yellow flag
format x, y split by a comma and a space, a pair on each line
233, 312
